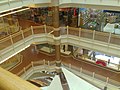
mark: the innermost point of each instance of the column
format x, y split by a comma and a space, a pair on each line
81, 20
56, 34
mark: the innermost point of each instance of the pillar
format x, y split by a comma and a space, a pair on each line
9, 81
56, 33
81, 20
55, 16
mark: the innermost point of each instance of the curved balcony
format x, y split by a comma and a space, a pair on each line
98, 41
37, 67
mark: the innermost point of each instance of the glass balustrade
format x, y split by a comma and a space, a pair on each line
27, 32
100, 36
91, 76
86, 33
63, 31
90, 34
115, 39
38, 29
5, 42
73, 31
17, 37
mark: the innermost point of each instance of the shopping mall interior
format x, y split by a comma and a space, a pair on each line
59, 45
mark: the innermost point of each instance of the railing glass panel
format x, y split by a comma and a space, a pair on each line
86, 33
5, 42
115, 39
100, 36
17, 37
63, 31
73, 31
38, 29
27, 32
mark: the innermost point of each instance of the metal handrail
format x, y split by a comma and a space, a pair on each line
79, 70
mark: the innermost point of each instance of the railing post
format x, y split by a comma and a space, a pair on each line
109, 38
107, 79
48, 63
93, 34
79, 19
69, 66
9, 2
67, 30
105, 87
81, 70
11, 39
24, 69
32, 30
36, 48
43, 61
32, 64
93, 74
45, 28
32, 67
79, 32
22, 34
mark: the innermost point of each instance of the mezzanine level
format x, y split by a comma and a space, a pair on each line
93, 40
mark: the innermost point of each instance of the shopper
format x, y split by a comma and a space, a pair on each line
64, 48
108, 61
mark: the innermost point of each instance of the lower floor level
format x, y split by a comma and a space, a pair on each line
30, 55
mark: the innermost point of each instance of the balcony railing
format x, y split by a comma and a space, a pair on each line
84, 33
43, 29
91, 77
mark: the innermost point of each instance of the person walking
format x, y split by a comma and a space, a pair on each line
108, 61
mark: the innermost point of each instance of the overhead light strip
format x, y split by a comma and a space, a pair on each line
14, 12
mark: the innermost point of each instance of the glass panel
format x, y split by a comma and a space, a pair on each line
10, 63
86, 33
27, 32
63, 31
38, 29
115, 39
100, 36
73, 31
5, 42
17, 37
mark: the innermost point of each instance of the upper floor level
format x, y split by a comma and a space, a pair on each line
6, 5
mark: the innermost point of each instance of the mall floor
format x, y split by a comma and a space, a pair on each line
30, 55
